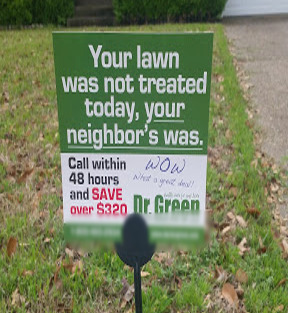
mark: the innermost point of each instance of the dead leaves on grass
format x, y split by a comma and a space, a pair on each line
74, 266
178, 281
144, 274
229, 293
233, 191
27, 273
281, 282
241, 221
241, 276
279, 308
17, 299
26, 173
284, 247
242, 247
226, 296
127, 293
226, 230
253, 212
262, 249
163, 258
11, 246
220, 275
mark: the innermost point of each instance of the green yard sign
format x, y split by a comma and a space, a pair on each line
133, 121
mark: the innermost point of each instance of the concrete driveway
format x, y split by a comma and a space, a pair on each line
261, 45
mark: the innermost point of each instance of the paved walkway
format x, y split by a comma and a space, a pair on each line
262, 48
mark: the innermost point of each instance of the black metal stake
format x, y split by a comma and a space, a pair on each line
135, 251
137, 287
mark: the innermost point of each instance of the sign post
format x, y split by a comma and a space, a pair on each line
135, 251
133, 114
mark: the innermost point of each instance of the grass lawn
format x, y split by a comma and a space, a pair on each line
44, 276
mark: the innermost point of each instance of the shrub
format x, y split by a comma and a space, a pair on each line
15, 12
27, 12
158, 11
52, 11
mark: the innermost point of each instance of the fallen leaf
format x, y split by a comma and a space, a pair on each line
132, 309
58, 284
230, 294
254, 163
127, 292
262, 248
163, 257
182, 253
25, 175
226, 230
47, 240
17, 299
10, 197
69, 252
222, 226
5, 96
274, 187
260, 242
241, 276
144, 274
276, 234
231, 216
270, 200
233, 191
220, 275
281, 282
36, 200
11, 170
178, 281
68, 267
254, 212
169, 262
240, 292
283, 230
41, 137
242, 248
220, 78
56, 275
77, 267
241, 221
228, 135
55, 281
27, 273
285, 246
11, 246
208, 301
128, 268
279, 308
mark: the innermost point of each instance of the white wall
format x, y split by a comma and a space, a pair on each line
255, 7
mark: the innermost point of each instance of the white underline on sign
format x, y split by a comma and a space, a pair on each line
153, 148
136, 148
80, 147
168, 121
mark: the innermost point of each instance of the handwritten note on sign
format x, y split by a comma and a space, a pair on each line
133, 121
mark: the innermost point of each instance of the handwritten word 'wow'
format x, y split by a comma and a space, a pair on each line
165, 165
